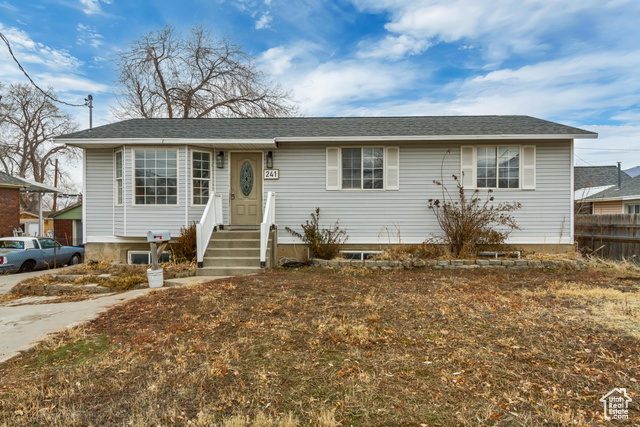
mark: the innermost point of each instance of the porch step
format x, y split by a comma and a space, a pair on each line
243, 234
227, 271
215, 252
231, 261
234, 243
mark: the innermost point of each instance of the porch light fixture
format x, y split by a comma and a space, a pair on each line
270, 160
220, 160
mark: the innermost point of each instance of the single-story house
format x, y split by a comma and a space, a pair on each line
243, 176
67, 225
591, 180
623, 199
11, 218
30, 223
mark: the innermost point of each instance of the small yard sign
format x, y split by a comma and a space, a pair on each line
272, 174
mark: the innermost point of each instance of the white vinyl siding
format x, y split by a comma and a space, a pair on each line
376, 217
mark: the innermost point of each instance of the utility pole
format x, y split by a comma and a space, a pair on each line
55, 184
89, 103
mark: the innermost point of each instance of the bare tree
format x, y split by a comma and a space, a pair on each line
28, 122
166, 73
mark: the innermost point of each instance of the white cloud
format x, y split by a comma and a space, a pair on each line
93, 7
88, 34
264, 21
500, 27
280, 59
9, 7
329, 88
620, 144
394, 47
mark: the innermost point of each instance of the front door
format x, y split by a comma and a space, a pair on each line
246, 188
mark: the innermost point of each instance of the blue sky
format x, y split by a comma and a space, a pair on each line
571, 61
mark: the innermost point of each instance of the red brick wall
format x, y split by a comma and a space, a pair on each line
9, 210
64, 231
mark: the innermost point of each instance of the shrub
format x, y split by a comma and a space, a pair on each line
185, 246
324, 243
472, 221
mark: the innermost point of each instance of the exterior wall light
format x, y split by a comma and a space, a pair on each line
220, 160
270, 160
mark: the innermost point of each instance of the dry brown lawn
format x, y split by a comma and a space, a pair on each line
329, 348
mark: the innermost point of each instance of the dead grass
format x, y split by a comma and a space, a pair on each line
325, 348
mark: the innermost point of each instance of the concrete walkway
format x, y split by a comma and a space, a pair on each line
8, 281
22, 326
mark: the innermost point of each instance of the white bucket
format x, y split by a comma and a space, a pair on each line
155, 277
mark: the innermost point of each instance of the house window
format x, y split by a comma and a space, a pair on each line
498, 167
144, 257
201, 177
363, 168
359, 255
119, 184
156, 181
633, 209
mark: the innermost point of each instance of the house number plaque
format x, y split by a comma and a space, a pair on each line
272, 174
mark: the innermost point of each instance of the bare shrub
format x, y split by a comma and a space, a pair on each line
324, 243
186, 245
471, 221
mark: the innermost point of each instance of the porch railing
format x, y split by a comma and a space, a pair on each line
268, 224
211, 218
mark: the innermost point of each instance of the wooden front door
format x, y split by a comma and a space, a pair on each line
246, 188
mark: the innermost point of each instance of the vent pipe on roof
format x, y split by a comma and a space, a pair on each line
619, 175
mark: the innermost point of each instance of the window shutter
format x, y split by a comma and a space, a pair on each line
529, 167
468, 166
333, 168
392, 171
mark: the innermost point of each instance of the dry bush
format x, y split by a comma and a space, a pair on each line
185, 248
402, 252
470, 223
323, 243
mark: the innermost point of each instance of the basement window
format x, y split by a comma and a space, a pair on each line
144, 257
359, 255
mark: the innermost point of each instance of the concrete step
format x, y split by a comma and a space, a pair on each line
231, 261
234, 243
233, 252
245, 234
227, 271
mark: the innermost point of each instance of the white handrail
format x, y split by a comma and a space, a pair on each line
267, 224
211, 218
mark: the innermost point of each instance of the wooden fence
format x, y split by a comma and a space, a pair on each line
618, 235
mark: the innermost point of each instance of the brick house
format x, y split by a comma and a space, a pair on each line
9, 204
10, 188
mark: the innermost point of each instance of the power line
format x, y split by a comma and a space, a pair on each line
53, 98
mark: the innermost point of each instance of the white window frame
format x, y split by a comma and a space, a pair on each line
148, 253
626, 207
119, 182
133, 180
361, 253
497, 147
384, 168
211, 167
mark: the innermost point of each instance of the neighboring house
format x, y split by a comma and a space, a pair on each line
30, 223
617, 200
590, 180
373, 174
10, 216
9, 204
67, 225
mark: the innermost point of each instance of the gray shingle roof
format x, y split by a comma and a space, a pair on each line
269, 128
596, 176
629, 188
5, 178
